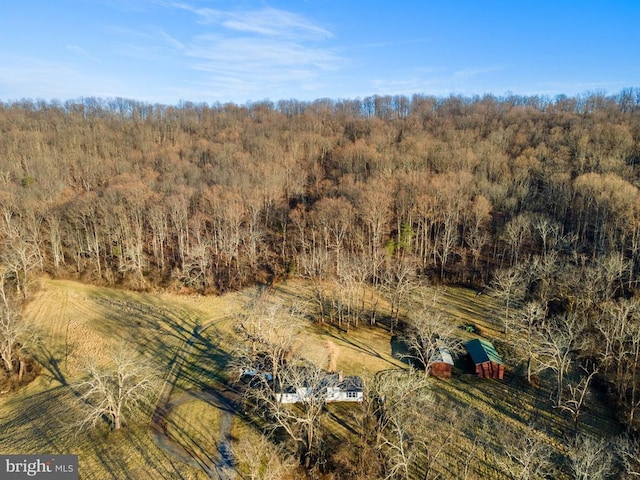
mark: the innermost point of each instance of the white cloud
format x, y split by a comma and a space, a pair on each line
230, 54
275, 23
47, 79
266, 21
253, 51
435, 81
82, 52
469, 72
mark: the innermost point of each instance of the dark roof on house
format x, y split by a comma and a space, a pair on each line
351, 384
347, 384
482, 351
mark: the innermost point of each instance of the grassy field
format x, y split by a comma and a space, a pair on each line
81, 323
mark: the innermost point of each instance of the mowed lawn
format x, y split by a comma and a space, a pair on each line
80, 323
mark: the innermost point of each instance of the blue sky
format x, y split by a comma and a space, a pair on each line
165, 51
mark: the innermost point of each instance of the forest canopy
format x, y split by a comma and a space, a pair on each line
214, 197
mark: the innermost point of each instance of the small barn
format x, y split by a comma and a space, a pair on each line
442, 364
486, 359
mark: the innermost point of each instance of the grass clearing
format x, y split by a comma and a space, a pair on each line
196, 425
80, 322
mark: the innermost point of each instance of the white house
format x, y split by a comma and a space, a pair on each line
336, 389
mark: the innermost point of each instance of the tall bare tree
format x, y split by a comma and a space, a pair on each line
399, 280
578, 394
300, 421
429, 333
117, 392
16, 336
524, 455
263, 459
508, 285
591, 458
557, 349
269, 331
527, 325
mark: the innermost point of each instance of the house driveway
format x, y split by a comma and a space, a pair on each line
222, 468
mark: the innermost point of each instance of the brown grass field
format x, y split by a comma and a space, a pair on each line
79, 323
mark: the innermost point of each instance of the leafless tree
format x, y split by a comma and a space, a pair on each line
428, 333
412, 428
117, 392
55, 239
19, 257
578, 394
590, 458
517, 231
398, 282
333, 217
400, 398
349, 300
263, 459
4, 284
300, 421
16, 336
558, 343
374, 207
527, 329
269, 330
477, 234
618, 347
548, 230
627, 451
524, 454
508, 285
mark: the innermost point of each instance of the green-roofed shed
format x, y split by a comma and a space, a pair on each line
486, 359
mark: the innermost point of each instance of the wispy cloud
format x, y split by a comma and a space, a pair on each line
231, 53
257, 50
82, 52
246, 56
145, 42
571, 88
436, 81
48, 79
266, 21
391, 44
470, 72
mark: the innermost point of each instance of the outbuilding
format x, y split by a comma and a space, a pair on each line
486, 359
442, 364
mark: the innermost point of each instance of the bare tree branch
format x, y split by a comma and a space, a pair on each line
115, 394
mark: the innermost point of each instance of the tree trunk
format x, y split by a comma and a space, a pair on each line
117, 422
21, 370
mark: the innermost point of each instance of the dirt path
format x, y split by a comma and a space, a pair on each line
224, 467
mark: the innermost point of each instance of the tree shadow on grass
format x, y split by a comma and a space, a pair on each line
51, 362
156, 331
355, 344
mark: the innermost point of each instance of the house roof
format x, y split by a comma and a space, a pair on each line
330, 380
443, 355
483, 351
351, 384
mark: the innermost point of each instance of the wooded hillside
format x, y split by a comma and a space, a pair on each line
215, 197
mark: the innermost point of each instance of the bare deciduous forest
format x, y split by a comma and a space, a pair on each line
531, 199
